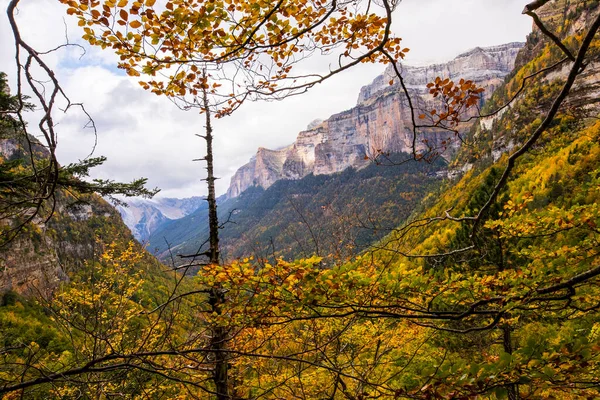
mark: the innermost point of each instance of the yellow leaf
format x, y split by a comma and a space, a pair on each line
150, 3
122, 3
135, 24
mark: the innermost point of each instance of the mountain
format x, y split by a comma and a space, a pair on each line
322, 194
143, 216
381, 120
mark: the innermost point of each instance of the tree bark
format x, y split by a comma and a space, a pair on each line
216, 296
534, 5
513, 388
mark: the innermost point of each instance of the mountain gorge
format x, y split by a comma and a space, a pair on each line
301, 199
468, 275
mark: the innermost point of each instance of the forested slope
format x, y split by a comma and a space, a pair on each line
335, 216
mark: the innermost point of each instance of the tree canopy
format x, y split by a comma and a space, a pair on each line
252, 50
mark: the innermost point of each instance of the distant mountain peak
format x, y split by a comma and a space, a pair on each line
143, 216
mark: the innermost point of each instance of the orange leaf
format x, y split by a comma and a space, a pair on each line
135, 24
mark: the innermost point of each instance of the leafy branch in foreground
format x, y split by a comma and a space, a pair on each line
30, 175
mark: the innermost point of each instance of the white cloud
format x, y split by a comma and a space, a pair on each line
145, 135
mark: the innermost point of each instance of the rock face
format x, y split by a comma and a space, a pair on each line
486, 66
381, 121
264, 169
31, 266
40, 257
144, 216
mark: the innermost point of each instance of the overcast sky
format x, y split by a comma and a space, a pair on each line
145, 135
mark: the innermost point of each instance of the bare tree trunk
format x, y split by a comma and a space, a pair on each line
213, 221
513, 388
216, 296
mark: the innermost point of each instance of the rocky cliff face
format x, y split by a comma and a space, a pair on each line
144, 216
487, 66
32, 265
43, 254
381, 121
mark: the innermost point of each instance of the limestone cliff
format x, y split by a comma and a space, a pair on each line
381, 120
43, 254
488, 65
266, 167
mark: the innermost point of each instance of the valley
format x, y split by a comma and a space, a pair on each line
438, 240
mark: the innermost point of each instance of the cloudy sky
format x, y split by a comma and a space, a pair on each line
145, 135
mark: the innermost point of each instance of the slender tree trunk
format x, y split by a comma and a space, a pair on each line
512, 389
216, 297
213, 220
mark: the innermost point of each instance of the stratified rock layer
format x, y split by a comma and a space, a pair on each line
381, 121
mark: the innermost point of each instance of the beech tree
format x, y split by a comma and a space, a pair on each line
251, 50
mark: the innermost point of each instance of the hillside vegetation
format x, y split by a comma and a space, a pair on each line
484, 290
334, 216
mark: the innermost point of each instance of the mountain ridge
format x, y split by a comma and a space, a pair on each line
143, 216
380, 120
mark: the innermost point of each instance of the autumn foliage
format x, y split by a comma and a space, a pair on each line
252, 49
489, 290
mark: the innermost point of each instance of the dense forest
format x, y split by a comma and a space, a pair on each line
334, 216
483, 284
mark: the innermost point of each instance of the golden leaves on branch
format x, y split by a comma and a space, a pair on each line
264, 40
